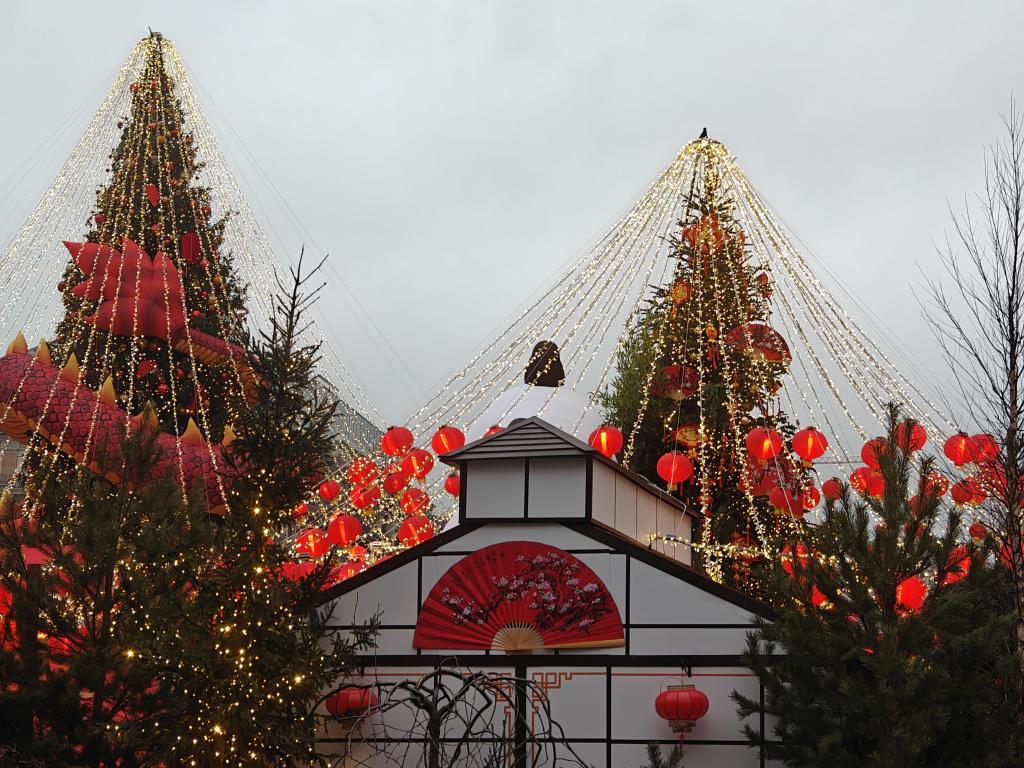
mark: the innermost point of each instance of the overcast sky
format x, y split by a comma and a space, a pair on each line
450, 156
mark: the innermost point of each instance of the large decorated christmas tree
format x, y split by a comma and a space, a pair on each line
695, 391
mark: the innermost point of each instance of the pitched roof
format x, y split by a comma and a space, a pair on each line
530, 437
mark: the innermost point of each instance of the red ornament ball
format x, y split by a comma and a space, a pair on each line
329, 489
396, 441
447, 439
910, 593
606, 439
415, 530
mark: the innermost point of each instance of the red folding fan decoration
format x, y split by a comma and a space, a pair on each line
517, 596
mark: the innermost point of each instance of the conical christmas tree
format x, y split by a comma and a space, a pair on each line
696, 380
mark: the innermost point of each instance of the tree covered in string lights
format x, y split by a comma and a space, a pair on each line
892, 643
697, 371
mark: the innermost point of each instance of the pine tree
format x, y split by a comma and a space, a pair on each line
698, 370
892, 649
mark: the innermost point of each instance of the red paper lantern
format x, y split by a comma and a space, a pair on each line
873, 451
812, 497
910, 437
351, 702
832, 488
312, 542
493, 430
818, 599
415, 530
986, 446
787, 558
395, 479
364, 497
910, 593
329, 489
935, 484
960, 559
296, 571
960, 449
414, 501
674, 468
875, 485
963, 492
606, 439
453, 484
978, 532
300, 510
682, 706
447, 439
764, 443
344, 529
396, 441
362, 471
418, 463
859, 479
358, 553
809, 444
784, 500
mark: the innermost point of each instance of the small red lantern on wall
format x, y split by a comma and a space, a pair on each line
396, 441
351, 702
447, 439
606, 439
682, 706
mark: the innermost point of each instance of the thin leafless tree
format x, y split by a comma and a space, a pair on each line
977, 313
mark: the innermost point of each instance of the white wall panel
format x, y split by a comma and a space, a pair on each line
547, 533
658, 597
646, 517
395, 591
603, 495
558, 488
495, 488
625, 506
577, 699
686, 641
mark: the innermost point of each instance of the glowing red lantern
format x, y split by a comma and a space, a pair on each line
329, 489
832, 488
809, 444
493, 430
395, 479
344, 529
910, 593
875, 484
963, 492
811, 497
935, 484
351, 702
415, 530
300, 510
818, 600
873, 451
859, 479
453, 484
312, 542
961, 449
783, 499
447, 439
978, 532
987, 447
674, 468
960, 560
362, 471
606, 439
764, 443
396, 441
364, 497
358, 553
418, 463
682, 706
787, 557
296, 571
910, 436
414, 501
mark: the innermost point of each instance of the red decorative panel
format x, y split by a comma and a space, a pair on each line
517, 596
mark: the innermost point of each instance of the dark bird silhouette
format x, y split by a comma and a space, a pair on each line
703, 134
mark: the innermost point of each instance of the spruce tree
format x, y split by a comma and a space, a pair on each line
892, 647
699, 368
